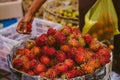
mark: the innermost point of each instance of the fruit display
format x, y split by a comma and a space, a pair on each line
62, 54
70, 13
64, 12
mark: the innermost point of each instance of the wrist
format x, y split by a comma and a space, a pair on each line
28, 17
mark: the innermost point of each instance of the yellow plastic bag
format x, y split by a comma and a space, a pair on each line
101, 20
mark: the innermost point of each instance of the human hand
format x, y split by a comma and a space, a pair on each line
25, 25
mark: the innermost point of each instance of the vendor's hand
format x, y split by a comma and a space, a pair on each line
24, 26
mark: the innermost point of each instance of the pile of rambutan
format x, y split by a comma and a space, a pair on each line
64, 53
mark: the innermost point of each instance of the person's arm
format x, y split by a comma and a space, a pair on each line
28, 18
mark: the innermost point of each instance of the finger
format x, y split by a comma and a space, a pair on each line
18, 29
26, 32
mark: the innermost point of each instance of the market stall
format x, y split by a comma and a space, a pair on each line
68, 51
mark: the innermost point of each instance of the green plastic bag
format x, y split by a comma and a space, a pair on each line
101, 20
